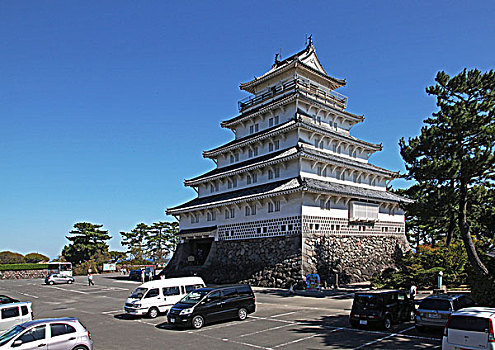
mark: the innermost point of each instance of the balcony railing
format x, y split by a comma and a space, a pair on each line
303, 85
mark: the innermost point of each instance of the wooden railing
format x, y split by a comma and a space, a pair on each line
303, 85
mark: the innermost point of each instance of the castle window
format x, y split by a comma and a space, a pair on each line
283, 228
258, 230
251, 129
265, 229
277, 119
277, 172
250, 153
253, 209
270, 147
270, 122
236, 156
327, 205
322, 204
229, 184
337, 227
232, 213
248, 179
255, 151
231, 158
270, 207
277, 205
212, 188
332, 227
234, 182
317, 227
319, 170
248, 210
213, 216
208, 216
290, 227
255, 178
270, 174
277, 144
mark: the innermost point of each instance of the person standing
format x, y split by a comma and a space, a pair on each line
412, 292
142, 276
90, 279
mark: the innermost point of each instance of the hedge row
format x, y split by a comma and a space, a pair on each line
15, 267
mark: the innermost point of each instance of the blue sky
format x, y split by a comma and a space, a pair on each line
106, 106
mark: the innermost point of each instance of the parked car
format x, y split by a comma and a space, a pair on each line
434, 310
4, 299
154, 297
381, 308
14, 313
58, 333
58, 278
207, 305
135, 275
470, 328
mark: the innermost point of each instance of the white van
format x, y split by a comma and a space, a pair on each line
14, 314
154, 297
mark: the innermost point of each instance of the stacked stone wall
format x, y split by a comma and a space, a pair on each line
22, 274
354, 257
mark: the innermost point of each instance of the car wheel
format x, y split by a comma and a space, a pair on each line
242, 314
153, 312
69, 282
51, 283
80, 347
198, 322
387, 322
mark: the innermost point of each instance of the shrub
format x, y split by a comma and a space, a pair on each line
15, 267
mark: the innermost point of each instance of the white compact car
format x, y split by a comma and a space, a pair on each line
470, 328
154, 297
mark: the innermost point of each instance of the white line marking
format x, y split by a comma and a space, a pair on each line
29, 295
383, 338
287, 313
302, 339
265, 330
111, 312
68, 290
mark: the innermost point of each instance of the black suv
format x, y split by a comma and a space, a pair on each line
207, 305
381, 308
434, 310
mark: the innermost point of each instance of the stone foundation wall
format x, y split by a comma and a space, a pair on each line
269, 262
22, 274
355, 257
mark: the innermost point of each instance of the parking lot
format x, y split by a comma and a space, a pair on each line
280, 321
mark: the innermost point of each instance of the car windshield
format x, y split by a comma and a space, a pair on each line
435, 304
194, 297
366, 301
11, 333
138, 293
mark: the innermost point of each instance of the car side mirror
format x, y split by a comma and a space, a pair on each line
16, 343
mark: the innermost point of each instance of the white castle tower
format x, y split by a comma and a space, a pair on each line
293, 193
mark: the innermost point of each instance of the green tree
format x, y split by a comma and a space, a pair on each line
8, 257
35, 258
86, 240
116, 255
135, 241
162, 240
455, 149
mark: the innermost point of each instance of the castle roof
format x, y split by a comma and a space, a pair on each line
301, 150
284, 187
287, 126
305, 59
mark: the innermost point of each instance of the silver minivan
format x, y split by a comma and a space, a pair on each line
14, 313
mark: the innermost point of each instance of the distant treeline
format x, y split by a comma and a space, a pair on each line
7, 257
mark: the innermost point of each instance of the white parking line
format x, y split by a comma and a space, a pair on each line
265, 330
383, 338
29, 295
69, 290
301, 339
111, 312
287, 313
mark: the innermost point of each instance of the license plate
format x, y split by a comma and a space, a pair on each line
172, 320
363, 322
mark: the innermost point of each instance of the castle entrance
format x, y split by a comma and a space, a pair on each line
198, 251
